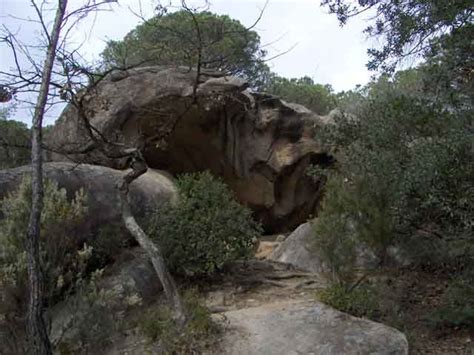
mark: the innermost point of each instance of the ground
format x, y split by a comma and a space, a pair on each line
256, 283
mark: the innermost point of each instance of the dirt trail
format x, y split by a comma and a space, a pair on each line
261, 282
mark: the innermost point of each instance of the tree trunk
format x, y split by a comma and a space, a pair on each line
153, 251
38, 340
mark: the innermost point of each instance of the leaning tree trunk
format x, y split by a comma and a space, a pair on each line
38, 340
153, 251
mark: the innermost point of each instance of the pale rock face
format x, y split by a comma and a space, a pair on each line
306, 328
259, 144
297, 250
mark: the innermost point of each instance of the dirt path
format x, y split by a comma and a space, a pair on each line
271, 284
256, 282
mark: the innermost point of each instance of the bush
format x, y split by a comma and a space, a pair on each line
361, 301
334, 239
457, 308
94, 316
404, 174
15, 141
205, 229
61, 259
199, 333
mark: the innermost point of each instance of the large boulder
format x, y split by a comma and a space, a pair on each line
306, 328
258, 143
297, 250
100, 186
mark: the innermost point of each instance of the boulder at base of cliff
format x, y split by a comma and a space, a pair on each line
296, 250
100, 185
260, 145
299, 250
306, 328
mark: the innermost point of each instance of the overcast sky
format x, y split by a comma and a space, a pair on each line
320, 48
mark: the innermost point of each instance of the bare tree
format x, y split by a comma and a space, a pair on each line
37, 335
38, 339
69, 80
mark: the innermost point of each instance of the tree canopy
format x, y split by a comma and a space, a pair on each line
317, 97
191, 39
14, 141
407, 27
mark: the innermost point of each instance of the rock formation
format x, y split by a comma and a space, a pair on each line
99, 183
307, 328
296, 250
260, 145
299, 250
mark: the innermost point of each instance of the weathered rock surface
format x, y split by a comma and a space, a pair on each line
306, 328
297, 251
99, 183
259, 144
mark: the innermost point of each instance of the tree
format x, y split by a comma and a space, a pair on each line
304, 91
38, 336
407, 27
14, 141
72, 80
188, 37
404, 171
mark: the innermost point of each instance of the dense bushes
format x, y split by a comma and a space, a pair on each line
62, 258
406, 165
199, 334
14, 143
204, 230
361, 301
59, 222
403, 180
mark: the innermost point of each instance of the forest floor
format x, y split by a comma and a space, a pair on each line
262, 282
411, 294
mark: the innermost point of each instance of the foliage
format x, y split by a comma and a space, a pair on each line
107, 244
334, 239
318, 98
96, 314
199, 333
407, 27
457, 308
205, 229
360, 302
14, 142
62, 263
407, 164
186, 38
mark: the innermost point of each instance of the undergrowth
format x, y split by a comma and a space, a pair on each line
199, 333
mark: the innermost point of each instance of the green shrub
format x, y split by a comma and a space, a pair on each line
62, 261
333, 234
199, 333
361, 301
107, 244
205, 229
95, 316
457, 308
404, 174
14, 142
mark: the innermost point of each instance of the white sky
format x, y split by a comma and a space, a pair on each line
322, 49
